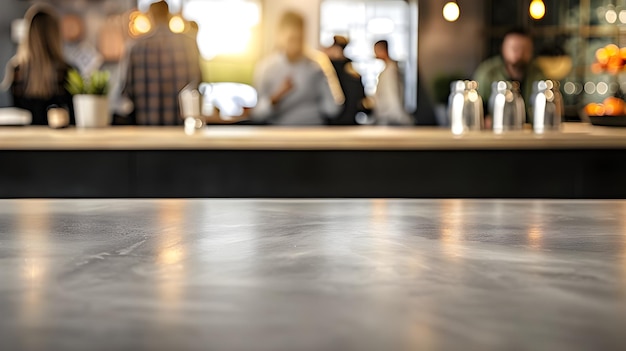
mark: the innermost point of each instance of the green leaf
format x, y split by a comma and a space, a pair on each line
75, 83
97, 84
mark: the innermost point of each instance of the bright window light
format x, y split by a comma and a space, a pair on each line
381, 26
175, 5
225, 27
364, 23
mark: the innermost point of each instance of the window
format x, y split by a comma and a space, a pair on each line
226, 27
367, 21
228, 35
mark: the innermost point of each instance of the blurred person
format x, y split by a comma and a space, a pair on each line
295, 87
350, 81
193, 30
389, 97
515, 63
37, 74
159, 66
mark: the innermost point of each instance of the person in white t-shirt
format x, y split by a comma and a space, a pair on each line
294, 87
389, 97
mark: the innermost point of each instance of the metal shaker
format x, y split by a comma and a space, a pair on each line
465, 107
546, 106
507, 107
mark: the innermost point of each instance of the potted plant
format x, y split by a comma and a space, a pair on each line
91, 104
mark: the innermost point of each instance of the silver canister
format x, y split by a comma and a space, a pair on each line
547, 106
506, 107
465, 107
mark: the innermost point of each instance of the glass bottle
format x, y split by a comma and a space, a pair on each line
546, 106
465, 107
507, 107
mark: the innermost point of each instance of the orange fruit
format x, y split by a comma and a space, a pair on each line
594, 109
602, 56
614, 106
612, 50
613, 69
614, 64
597, 68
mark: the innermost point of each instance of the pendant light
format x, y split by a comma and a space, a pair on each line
451, 11
537, 9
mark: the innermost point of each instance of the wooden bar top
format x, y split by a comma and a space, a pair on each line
573, 136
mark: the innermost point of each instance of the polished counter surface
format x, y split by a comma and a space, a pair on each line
312, 275
575, 135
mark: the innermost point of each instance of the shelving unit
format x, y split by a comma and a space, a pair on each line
579, 28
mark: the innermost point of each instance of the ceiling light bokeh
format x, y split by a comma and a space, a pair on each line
177, 24
537, 9
139, 24
611, 16
451, 11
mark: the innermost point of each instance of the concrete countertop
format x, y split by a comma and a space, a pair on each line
318, 275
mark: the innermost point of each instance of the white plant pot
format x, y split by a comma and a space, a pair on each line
91, 111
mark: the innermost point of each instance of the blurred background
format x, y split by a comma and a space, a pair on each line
434, 42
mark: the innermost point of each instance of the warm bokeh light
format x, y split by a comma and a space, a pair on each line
602, 56
34, 227
139, 24
611, 16
535, 237
610, 59
452, 224
177, 24
451, 11
171, 259
612, 50
537, 9
602, 88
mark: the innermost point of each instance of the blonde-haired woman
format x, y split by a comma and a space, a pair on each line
37, 74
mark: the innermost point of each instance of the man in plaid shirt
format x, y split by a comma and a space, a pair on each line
159, 66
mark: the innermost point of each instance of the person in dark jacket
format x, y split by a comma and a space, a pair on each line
37, 74
350, 81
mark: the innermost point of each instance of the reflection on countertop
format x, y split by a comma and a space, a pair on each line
312, 274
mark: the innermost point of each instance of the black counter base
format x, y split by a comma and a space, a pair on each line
314, 174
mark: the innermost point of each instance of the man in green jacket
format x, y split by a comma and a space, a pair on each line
514, 64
